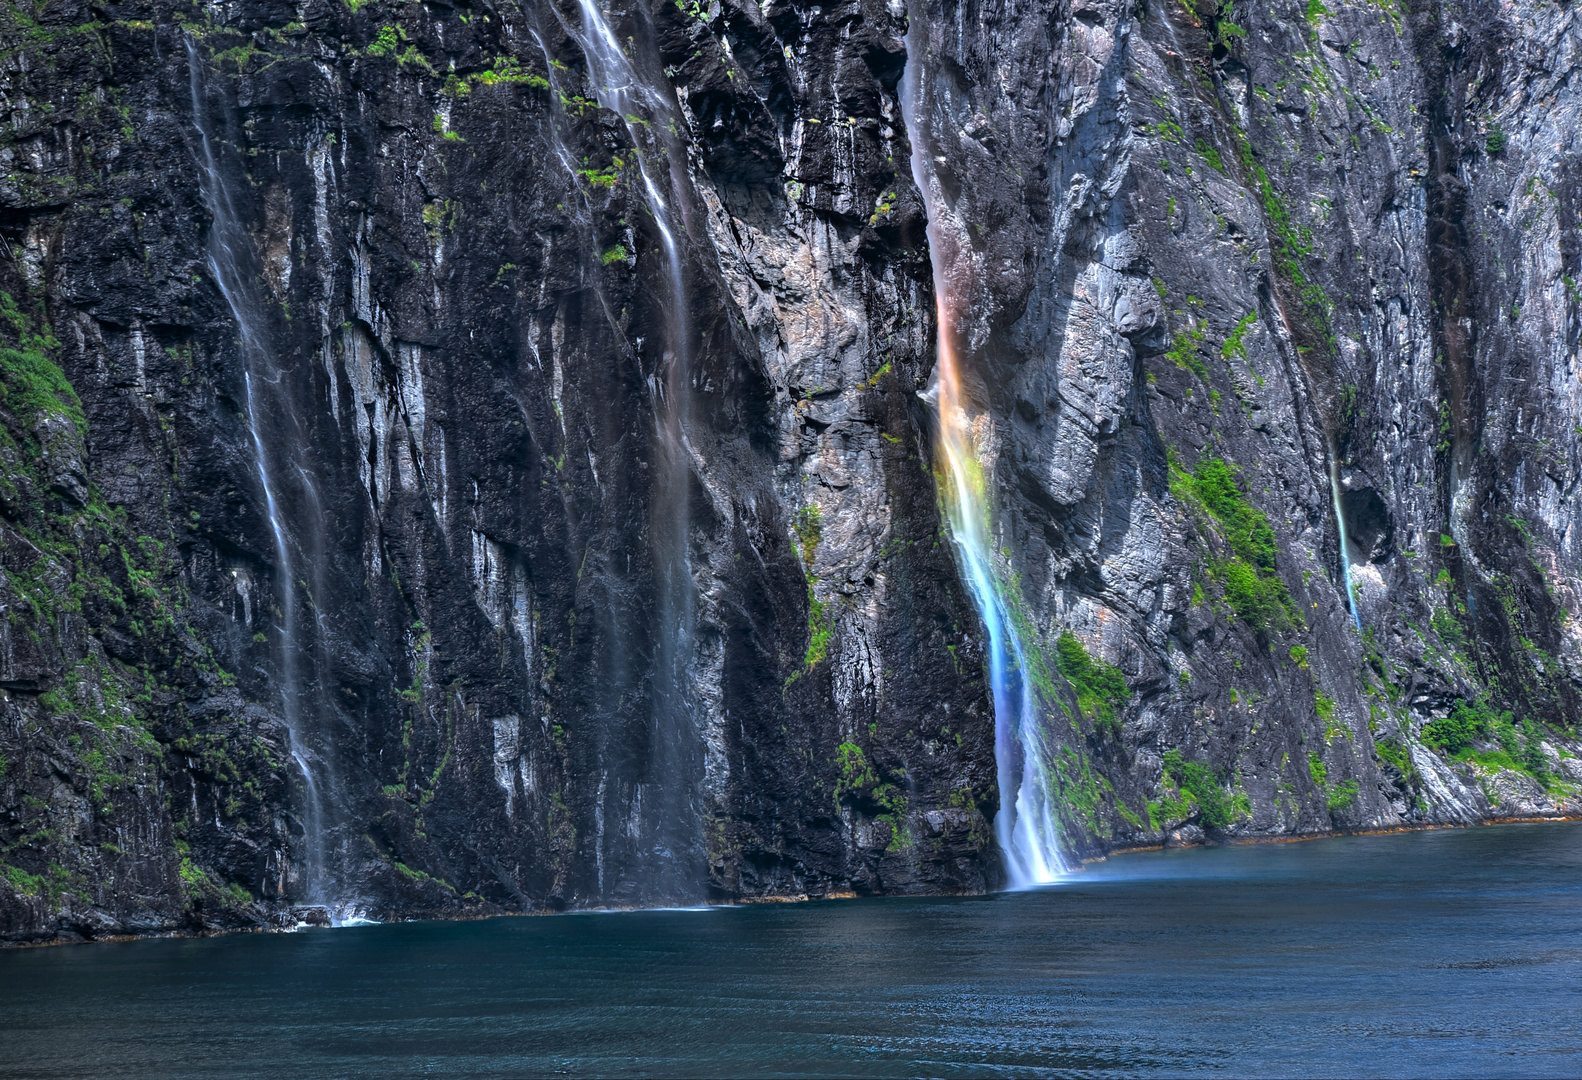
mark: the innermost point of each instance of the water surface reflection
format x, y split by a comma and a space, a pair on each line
1454, 953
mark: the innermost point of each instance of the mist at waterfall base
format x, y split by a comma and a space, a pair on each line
1452, 952
1026, 828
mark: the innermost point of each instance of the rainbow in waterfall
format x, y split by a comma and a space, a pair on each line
1026, 827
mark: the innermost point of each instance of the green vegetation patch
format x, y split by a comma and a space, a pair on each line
1467, 723
1183, 352
1472, 723
857, 779
1252, 587
808, 524
1197, 782
34, 385
1100, 687
1341, 796
1396, 754
1234, 344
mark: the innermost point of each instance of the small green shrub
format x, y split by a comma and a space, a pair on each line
1448, 628
1252, 587
1467, 723
31, 383
1342, 796
1101, 688
386, 42
1197, 780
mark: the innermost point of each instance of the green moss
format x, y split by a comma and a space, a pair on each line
23, 882
857, 779
1395, 752
1467, 723
387, 41
601, 178
420, 877
1216, 809
614, 255
1100, 687
507, 70
1291, 242
34, 385
820, 627
1168, 809
1341, 796
808, 524
1131, 816
1252, 587
1299, 654
1210, 154
1448, 627
1234, 345
1183, 353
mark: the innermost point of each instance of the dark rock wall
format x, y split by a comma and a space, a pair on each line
1285, 238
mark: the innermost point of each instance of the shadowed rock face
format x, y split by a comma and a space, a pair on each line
1282, 240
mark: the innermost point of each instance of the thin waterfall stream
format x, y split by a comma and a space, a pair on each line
672, 816
230, 261
1026, 827
1345, 543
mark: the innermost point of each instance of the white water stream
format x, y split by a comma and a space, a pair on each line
231, 259
1026, 827
671, 819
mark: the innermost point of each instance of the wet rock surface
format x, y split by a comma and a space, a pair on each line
1232, 267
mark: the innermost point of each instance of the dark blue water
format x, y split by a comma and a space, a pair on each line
1442, 953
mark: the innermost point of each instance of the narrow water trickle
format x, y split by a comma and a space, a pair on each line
1026, 827
232, 262
668, 813
1345, 543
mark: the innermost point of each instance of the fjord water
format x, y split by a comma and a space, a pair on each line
1451, 953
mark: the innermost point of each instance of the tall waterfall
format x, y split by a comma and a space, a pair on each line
1026, 826
277, 440
672, 860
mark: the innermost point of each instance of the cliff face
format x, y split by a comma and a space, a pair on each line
479, 458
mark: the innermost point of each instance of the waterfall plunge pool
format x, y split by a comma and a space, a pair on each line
1455, 952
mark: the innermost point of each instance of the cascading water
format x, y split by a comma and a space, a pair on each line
231, 261
670, 812
1345, 543
1026, 826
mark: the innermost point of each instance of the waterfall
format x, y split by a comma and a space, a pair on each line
669, 811
231, 261
1345, 543
1025, 827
